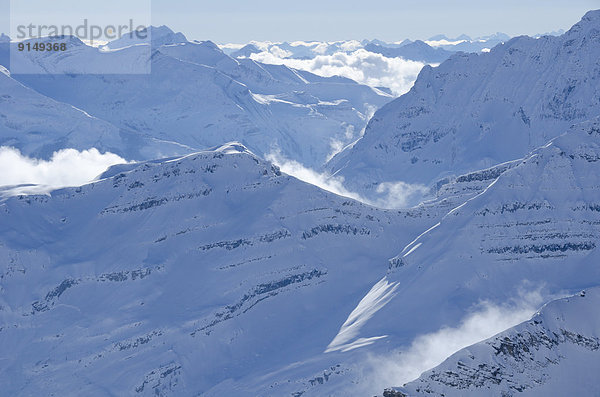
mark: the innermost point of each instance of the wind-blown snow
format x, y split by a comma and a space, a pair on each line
429, 350
554, 353
393, 195
378, 297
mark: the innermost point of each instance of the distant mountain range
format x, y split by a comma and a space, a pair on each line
435, 50
194, 97
416, 51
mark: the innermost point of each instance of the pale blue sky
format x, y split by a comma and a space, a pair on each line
277, 20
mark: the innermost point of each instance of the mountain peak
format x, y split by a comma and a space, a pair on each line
161, 30
245, 51
234, 147
160, 35
438, 37
4, 38
589, 22
592, 15
418, 131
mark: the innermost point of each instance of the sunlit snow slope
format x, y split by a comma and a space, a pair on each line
478, 110
170, 277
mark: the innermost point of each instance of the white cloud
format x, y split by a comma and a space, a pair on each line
67, 167
392, 195
351, 45
430, 350
399, 194
362, 66
278, 52
324, 181
231, 46
439, 43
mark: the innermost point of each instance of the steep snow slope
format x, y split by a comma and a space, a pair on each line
133, 282
39, 126
535, 227
170, 277
538, 221
556, 353
478, 110
277, 80
533, 232
199, 97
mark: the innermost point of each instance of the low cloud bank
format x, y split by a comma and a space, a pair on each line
67, 167
324, 181
391, 195
430, 350
363, 66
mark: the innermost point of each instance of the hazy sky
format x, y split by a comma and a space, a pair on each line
278, 20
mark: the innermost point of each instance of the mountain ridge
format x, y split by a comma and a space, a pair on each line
477, 110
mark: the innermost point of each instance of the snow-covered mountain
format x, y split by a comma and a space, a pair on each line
434, 50
477, 110
416, 51
532, 231
199, 97
376, 63
467, 44
219, 255
78, 59
171, 277
295, 49
214, 273
245, 52
158, 36
535, 226
557, 352
38, 126
535, 221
